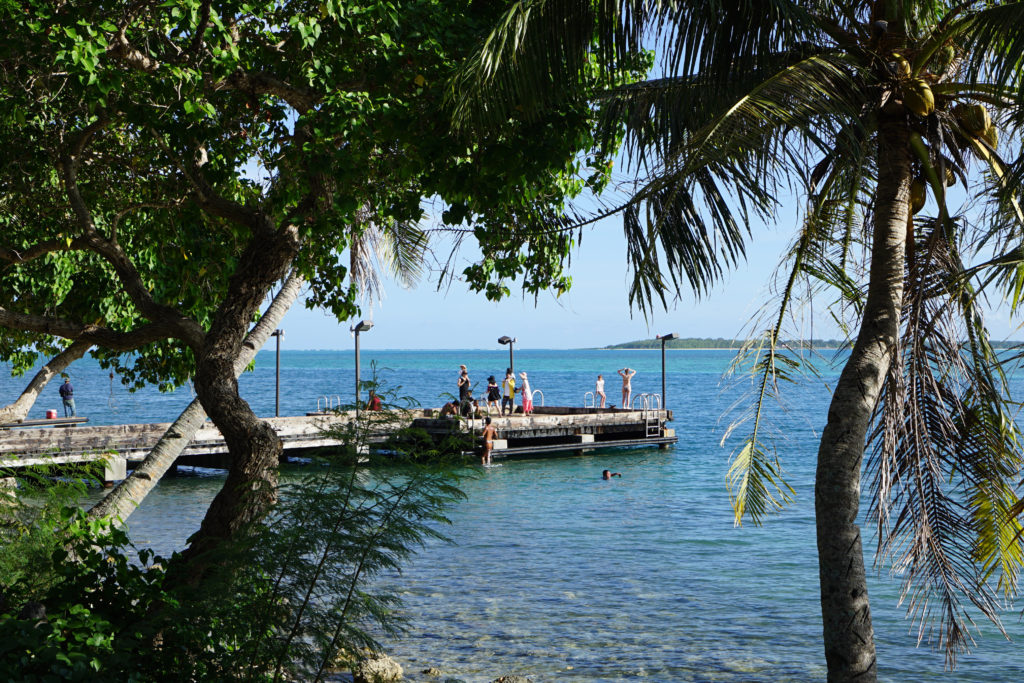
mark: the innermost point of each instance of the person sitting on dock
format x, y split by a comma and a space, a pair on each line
489, 433
627, 386
67, 395
373, 402
508, 392
450, 409
608, 474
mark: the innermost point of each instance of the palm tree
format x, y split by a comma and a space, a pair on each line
871, 111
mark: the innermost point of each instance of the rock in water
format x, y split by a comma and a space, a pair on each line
512, 679
378, 668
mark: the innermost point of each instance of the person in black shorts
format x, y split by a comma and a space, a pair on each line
493, 395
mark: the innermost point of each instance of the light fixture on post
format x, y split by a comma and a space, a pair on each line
277, 380
511, 342
361, 326
664, 338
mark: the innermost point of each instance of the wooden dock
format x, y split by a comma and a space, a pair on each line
554, 430
547, 431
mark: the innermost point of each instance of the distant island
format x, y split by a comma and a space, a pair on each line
716, 343
719, 343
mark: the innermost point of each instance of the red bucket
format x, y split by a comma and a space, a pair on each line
51, 414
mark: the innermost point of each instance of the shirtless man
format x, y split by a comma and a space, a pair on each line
627, 386
489, 433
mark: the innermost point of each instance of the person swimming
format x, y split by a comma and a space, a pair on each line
608, 474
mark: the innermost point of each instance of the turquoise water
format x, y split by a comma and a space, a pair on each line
557, 574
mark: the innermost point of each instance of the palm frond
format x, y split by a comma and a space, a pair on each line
741, 152
943, 454
994, 43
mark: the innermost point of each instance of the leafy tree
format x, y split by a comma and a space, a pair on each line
165, 164
872, 111
289, 599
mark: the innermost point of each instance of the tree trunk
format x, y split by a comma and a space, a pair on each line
129, 493
17, 411
255, 448
848, 634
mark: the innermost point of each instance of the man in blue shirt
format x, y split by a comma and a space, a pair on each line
67, 394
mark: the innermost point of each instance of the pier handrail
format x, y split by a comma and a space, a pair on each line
337, 402
534, 393
593, 400
327, 404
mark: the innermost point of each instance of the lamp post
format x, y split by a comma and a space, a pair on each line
510, 341
664, 338
277, 381
361, 326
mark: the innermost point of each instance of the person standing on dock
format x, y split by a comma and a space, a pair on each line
67, 395
463, 387
489, 433
508, 392
627, 386
493, 395
599, 389
527, 394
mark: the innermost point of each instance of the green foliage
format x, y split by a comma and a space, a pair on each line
297, 595
196, 118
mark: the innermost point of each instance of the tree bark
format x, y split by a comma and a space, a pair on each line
17, 411
129, 493
251, 485
848, 634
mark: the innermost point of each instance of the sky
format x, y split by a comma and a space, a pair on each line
595, 312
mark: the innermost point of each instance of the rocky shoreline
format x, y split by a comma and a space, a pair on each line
380, 668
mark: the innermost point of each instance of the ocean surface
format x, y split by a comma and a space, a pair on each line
557, 574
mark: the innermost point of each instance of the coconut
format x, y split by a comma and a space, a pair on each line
974, 118
902, 67
918, 97
950, 176
943, 58
918, 195
991, 136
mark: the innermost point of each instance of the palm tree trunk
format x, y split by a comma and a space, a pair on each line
18, 410
848, 634
129, 493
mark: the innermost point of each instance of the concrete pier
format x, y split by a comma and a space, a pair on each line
547, 431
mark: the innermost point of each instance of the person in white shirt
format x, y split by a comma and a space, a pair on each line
527, 394
599, 389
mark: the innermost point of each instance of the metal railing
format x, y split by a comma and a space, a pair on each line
650, 410
326, 404
593, 400
533, 397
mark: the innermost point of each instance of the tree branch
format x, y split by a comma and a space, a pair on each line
186, 329
93, 334
18, 410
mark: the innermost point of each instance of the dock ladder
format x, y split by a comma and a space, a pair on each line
592, 402
650, 409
